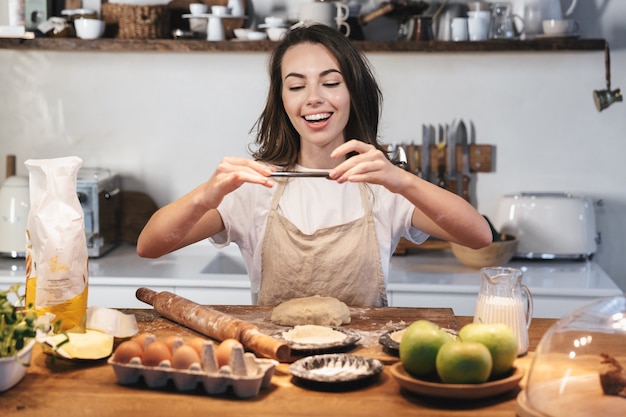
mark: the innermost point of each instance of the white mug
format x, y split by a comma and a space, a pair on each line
219, 10
333, 14
478, 25
459, 29
198, 8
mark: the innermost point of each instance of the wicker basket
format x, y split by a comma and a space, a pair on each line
129, 21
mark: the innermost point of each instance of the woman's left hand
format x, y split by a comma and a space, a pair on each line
370, 165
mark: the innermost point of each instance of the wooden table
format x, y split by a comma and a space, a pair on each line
65, 388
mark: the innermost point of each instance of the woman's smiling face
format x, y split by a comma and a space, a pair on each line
315, 96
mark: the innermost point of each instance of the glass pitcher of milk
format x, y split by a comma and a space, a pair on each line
504, 299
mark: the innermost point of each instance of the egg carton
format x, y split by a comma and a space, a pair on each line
245, 374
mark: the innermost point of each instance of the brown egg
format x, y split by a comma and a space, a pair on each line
224, 350
198, 344
170, 341
141, 339
184, 356
155, 353
126, 351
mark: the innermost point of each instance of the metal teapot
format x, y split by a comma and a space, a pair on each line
549, 9
535, 11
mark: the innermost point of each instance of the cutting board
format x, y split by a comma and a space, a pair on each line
369, 322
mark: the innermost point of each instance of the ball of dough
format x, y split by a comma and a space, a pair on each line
323, 311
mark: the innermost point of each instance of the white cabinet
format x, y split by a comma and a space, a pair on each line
216, 296
462, 304
211, 276
123, 296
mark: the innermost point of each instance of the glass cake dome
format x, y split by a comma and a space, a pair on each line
579, 367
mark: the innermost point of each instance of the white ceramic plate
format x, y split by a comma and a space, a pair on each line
335, 368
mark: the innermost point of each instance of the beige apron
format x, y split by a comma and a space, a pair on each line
340, 261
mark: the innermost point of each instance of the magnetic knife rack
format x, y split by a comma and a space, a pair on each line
481, 159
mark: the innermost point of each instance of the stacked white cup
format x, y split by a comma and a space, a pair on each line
478, 25
459, 29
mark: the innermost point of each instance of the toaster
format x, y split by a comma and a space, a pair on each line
549, 225
100, 198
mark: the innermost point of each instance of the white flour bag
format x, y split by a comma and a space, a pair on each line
56, 246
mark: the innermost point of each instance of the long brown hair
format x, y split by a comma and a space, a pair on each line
278, 141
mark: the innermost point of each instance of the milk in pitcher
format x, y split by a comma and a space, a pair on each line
504, 299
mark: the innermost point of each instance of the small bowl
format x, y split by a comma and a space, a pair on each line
198, 8
495, 254
241, 33
275, 21
276, 34
13, 370
89, 28
558, 26
253, 35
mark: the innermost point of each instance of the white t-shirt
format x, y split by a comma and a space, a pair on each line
311, 204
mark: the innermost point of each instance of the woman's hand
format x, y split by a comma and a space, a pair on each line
231, 173
437, 212
194, 217
370, 165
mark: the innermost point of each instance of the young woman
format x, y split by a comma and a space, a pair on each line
302, 236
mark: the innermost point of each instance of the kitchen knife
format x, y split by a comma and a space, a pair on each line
441, 141
426, 142
461, 138
465, 165
410, 150
451, 174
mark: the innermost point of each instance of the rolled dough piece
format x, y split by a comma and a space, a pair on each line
323, 311
313, 334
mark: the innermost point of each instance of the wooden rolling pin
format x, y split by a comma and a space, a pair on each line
213, 323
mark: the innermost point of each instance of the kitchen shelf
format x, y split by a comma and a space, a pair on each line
198, 45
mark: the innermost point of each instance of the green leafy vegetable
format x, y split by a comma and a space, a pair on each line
18, 324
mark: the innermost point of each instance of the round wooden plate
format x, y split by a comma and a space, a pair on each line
456, 391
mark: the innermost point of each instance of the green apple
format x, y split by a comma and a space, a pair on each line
498, 338
464, 363
419, 346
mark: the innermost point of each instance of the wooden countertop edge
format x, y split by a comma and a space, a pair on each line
199, 45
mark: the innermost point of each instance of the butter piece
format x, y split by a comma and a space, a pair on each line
92, 345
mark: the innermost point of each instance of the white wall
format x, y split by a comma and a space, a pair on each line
164, 120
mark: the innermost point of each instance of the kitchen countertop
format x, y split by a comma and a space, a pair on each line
431, 269
90, 388
426, 272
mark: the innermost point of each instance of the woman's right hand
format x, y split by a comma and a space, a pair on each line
194, 217
230, 174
